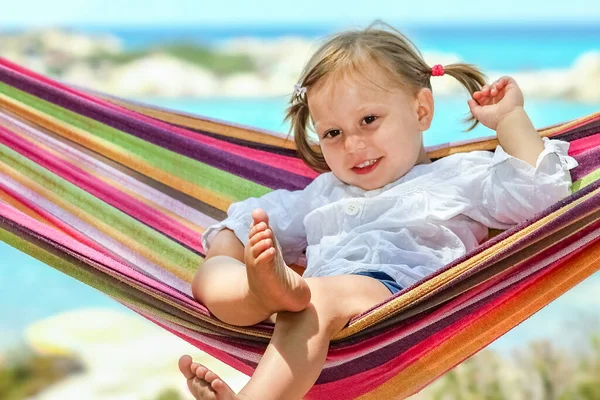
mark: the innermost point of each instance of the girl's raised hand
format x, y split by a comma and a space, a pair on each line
490, 104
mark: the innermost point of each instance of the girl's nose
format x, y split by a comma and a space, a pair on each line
354, 143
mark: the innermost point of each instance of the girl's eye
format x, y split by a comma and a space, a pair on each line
369, 119
332, 133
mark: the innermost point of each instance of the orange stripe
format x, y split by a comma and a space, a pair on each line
112, 152
7, 198
398, 304
489, 327
491, 144
208, 125
109, 181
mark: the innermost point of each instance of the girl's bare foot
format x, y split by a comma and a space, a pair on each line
203, 383
275, 285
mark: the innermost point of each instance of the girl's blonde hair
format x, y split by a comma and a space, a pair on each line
390, 50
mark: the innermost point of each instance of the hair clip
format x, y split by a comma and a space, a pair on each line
299, 90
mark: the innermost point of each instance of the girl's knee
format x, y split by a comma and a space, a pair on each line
211, 269
332, 310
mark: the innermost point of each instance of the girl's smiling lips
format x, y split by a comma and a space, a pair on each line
368, 168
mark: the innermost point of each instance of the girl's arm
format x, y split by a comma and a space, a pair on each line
499, 106
518, 137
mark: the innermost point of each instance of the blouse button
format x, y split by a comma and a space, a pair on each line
352, 208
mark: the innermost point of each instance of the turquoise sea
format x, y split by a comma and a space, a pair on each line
30, 290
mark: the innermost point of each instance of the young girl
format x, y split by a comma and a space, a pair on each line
380, 217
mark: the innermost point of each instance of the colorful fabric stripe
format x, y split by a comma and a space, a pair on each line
117, 194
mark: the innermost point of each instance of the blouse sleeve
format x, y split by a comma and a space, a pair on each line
286, 210
505, 190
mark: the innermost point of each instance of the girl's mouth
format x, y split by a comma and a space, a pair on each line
366, 167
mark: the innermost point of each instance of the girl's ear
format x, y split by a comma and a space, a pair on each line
424, 108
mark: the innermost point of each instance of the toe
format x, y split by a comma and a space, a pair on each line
210, 376
257, 237
261, 247
265, 256
201, 371
194, 367
185, 363
200, 388
259, 215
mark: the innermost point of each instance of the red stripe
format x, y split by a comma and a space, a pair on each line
103, 191
289, 164
360, 384
580, 145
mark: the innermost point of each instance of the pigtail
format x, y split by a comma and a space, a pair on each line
298, 115
471, 78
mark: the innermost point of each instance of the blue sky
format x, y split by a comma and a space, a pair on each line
27, 13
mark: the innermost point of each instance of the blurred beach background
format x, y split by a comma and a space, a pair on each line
238, 61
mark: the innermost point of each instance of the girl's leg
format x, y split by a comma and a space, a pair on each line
221, 284
296, 354
246, 293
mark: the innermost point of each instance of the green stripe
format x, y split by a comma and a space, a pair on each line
154, 241
117, 289
225, 184
586, 180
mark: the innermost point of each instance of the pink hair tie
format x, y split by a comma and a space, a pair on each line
437, 70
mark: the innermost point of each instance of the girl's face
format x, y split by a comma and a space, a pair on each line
369, 136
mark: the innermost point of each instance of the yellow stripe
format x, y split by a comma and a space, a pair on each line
491, 144
112, 152
207, 125
489, 327
11, 201
97, 223
107, 180
396, 305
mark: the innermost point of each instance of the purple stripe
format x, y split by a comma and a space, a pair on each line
248, 169
588, 129
240, 142
103, 267
574, 213
493, 241
400, 346
588, 160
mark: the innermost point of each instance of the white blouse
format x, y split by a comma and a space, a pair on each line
409, 228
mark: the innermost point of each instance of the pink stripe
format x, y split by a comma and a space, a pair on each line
486, 138
208, 349
60, 225
499, 282
289, 164
74, 156
110, 266
103, 191
359, 384
580, 145
116, 249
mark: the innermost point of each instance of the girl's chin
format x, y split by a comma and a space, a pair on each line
368, 184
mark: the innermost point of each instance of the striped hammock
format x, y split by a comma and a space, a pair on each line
117, 194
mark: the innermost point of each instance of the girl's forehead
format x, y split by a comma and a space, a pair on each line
368, 79
349, 90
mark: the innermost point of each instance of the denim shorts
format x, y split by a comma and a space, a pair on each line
382, 277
